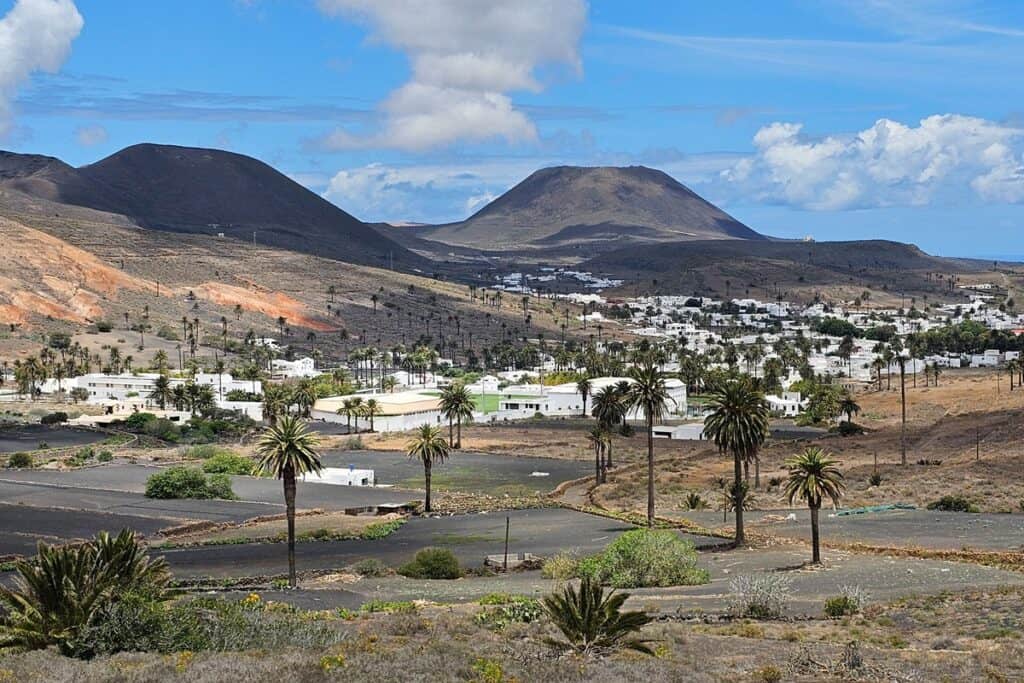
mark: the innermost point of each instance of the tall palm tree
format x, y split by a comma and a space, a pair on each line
609, 408
162, 392
648, 394
287, 450
583, 387
598, 440
429, 447
812, 476
373, 408
276, 400
738, 425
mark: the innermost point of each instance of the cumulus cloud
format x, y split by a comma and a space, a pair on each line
945, 157
35, 35
423, 193
466, 56
87, 136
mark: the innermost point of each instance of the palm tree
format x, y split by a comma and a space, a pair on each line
648, 394
609, 408
598, 440
583, 387
848, 406
162, 392
812, 476
738, 425
276, 400
287, 450
373, 408
430, 447
594, 622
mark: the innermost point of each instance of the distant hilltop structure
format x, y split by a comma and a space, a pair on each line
808, 238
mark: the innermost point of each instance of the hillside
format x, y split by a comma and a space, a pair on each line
571, 205
796, 270
185, 189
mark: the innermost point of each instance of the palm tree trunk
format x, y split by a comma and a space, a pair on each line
737, 466
650, 469
608, 454
458, 434
289, 503
451, 433
597, 465
815, 541
757, 472
426, 478
903, 421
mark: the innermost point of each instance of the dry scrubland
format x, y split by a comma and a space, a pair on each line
943, 638
69, 266
943, 424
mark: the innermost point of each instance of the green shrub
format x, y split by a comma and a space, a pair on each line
137, 422
228, 463
518, 609
850, 601
163, 429
21, 461
953, 503
379, 530
188, 482
354, 443
645, 557
207, 451
850, 429
875, 479
105, 456
54, 418
104, 326
591, 621
432, 563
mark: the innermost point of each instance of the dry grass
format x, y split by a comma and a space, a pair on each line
963, 637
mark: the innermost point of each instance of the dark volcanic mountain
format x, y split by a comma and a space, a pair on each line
186, 189
571, 205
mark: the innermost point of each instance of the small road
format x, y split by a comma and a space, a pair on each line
30, 437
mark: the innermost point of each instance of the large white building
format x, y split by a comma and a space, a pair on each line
565, 399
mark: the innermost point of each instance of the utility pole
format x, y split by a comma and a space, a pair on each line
508, 522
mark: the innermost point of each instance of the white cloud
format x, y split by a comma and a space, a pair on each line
422, 193
35, 35
466, 56
945, 158
87, 136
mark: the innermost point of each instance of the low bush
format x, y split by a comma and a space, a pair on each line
875, 479
850, 601
518, 609
432, 563
21, 461
163, 429
760, 596
561, 567
228, 463
953, 503
694, 501
105, 456
354, 443
370, 567
188, 482
850, 429
206, 451
388, 606
644, 557
379, 530
137, 422
55, 418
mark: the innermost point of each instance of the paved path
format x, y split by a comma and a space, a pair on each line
28, 437
465, 471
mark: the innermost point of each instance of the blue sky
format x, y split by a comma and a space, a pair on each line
876, 118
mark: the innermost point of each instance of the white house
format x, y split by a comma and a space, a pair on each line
342, 476
565, 399
789, 404
293, 369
